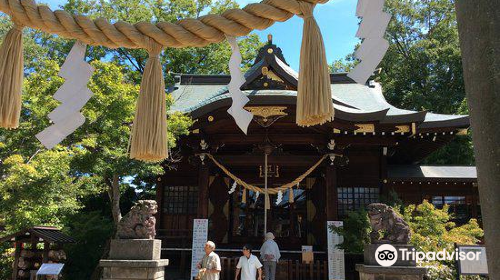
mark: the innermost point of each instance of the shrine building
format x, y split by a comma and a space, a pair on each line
372, 149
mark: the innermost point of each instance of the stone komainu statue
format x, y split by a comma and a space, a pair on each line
384, 219
140, 222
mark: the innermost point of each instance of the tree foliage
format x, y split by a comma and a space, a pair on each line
432, 230
67, 186
355, 231
422, 70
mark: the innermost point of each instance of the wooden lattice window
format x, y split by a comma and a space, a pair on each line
352, 199
180, 200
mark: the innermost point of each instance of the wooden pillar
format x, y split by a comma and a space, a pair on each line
474, 196
160, 190
384, 189
17, 254
331, 193
46, 248
203, 180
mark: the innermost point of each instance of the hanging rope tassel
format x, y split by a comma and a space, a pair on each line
149, 132
11, 77
267, 202
244, 196
314, 95
291, 196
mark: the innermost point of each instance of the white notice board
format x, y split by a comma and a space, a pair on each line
200, 237
336, 266
473, 267
50, 269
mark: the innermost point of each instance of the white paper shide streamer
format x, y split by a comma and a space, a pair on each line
237, 111
73, 95
371, 30
279, 198
233, 188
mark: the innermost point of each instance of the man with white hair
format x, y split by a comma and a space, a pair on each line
209, 265
270, 254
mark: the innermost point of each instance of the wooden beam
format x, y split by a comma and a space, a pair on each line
257, 160
203, 181
331, 195
291, 139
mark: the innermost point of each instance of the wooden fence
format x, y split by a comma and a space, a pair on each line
286, 270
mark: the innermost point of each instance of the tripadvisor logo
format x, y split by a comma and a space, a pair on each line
387, 255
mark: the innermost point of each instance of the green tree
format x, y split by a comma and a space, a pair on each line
355, 230
69, 185
433, 231
422, 69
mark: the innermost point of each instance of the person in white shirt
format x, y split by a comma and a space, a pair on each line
248, 265
209, 265
270, 254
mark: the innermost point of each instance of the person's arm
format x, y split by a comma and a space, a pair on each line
237, 273
217, 267
258, 265
278, 253
198, 265
238, 268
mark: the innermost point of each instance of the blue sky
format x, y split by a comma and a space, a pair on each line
336, 19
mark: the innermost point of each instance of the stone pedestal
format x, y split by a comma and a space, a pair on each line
403, 269
134, 259
376, 272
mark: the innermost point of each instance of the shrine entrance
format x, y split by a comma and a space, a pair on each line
286, 220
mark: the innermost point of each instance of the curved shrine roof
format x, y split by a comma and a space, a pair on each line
271, 81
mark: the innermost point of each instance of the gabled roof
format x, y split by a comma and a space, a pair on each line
49, 234
201, 94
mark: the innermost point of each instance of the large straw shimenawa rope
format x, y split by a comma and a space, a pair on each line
269, 190
267, 201
149, 131
11, 77
184, 33
148, 141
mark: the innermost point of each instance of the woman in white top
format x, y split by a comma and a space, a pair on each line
248, 265
270, 254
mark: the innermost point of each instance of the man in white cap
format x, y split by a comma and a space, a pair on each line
270, 254
209, 265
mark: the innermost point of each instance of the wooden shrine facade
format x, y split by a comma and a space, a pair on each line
377, 149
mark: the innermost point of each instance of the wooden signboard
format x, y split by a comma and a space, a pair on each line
477, 266
200, 236
336, 265
307, 254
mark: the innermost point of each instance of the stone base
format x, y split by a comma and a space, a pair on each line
134, 259
376, 272
369, 254
133, 269
135, 249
